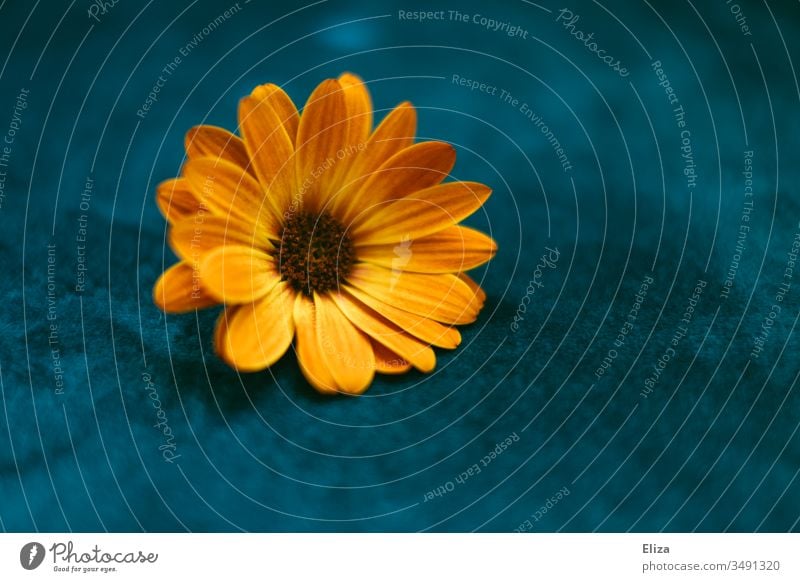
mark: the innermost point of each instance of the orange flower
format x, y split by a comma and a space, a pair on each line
313, 227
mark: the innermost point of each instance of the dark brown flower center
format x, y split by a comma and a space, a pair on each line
314, 253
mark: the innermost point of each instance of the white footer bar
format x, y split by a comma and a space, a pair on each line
401, 557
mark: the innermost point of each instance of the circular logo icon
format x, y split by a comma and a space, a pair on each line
31, 555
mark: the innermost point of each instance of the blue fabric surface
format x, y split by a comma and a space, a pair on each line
712, 447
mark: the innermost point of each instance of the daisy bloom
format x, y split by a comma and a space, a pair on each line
315, 228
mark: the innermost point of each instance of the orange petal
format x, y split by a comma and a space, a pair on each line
271, 150
427, 330
479, 293
321, 139
209, 141
421, 213
221, 329
231, 192
176, 200
283, 106
179, 290
344, 349
359, 108
308, 351
387, 362
395, 133
417, 167
192, 238
419, 354
238, 274
256, 335
444, 298
454, 249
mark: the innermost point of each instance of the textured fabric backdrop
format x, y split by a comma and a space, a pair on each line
709, 444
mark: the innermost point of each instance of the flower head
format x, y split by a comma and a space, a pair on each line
314, 228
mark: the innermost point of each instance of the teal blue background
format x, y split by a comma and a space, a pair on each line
714, 448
